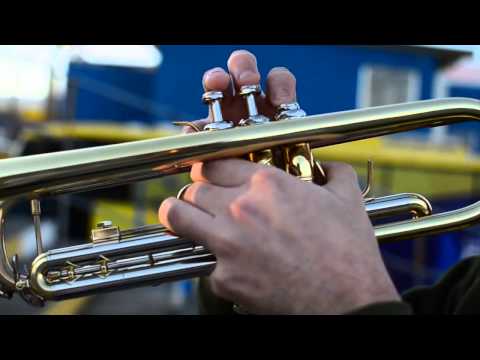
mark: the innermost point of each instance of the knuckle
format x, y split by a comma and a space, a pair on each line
266, 177
196, 191
241, 206
226, 247
348, 171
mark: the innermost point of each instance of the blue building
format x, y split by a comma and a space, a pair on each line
461, 80
330, 78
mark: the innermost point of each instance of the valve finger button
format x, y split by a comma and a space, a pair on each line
248, 92
104, 224
287, 111
212, 99
182, 191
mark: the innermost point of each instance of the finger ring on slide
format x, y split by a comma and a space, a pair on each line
182, 191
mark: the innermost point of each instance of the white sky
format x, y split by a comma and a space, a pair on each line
26, 71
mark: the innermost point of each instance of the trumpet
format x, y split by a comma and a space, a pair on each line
121, 258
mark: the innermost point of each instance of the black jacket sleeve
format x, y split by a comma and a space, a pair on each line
458, 292
386, 308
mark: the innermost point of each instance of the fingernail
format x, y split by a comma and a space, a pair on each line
279, 68
213, 71
218, 69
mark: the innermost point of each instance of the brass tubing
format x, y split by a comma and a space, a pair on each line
7, 281
33, 177
99, 167
414, 205
430, 225
153, 252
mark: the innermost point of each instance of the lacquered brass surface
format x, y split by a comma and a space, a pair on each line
151, 253
54, 276
92, 168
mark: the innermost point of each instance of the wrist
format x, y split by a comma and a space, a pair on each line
377, 290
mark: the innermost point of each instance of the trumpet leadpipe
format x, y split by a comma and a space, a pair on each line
119, 164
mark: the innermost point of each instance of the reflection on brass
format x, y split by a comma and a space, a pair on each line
368, 186
187, 123
146, 255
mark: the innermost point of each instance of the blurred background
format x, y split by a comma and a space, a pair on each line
58, 97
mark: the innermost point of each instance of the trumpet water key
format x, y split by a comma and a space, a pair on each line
120, 258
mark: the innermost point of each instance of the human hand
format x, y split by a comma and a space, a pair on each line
282, 245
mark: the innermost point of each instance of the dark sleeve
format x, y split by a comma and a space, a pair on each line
457, 292
386, 308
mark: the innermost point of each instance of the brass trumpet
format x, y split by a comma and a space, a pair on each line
118, 258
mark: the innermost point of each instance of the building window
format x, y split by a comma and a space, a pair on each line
383, 85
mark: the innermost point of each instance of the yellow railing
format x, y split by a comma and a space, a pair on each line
96, 131
410, 167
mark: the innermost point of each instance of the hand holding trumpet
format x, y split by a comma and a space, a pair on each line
282, 245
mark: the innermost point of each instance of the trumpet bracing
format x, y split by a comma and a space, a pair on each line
121, 258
